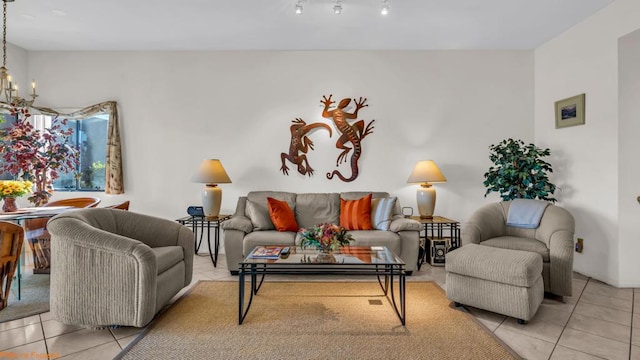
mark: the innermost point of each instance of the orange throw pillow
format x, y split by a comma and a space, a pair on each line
356, 214
281, 215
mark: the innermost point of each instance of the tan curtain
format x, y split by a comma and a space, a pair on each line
114, 183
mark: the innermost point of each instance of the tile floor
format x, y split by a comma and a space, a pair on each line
598, 322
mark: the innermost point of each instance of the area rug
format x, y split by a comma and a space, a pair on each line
34, 298
315, 320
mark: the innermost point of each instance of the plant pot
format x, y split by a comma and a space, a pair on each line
9, 205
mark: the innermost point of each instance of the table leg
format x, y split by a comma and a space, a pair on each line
214, 260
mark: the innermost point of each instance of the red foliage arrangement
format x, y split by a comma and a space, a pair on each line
35, 155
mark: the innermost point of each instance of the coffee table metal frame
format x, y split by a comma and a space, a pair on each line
386, 273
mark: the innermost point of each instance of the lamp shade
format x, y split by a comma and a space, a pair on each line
211, 172
426, 171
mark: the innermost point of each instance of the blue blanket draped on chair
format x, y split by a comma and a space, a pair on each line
526, 213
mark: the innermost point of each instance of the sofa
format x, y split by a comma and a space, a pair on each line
251, 225
552, 239
115, 267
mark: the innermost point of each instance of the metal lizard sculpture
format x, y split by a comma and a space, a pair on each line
350, 133
300, 143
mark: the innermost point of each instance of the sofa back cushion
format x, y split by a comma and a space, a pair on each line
257, 211
317, 208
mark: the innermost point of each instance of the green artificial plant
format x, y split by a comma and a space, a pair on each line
519, 171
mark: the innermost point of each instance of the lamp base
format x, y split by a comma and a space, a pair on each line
426, 197
211, 200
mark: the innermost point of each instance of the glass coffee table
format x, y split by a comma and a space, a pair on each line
376, 261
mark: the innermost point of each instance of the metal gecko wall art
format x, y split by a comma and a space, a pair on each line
349, 134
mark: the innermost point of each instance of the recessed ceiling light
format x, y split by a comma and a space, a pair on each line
59, 12
28, 17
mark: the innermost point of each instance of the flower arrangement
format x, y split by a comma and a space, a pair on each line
35, 155
15, 188
325, 237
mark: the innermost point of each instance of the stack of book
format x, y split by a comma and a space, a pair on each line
263, 252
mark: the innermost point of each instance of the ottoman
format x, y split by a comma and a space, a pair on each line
503, 281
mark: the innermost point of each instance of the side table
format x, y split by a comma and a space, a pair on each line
440, 236
198, 225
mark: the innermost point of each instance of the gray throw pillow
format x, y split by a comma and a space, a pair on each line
381, 210
259, 216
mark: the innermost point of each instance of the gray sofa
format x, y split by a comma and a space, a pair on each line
251, 226
116, 267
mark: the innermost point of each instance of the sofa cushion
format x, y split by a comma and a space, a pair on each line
271, 237
281, 215
167, 256
313, 209
519, 243
256, 207
381, 209
356, 214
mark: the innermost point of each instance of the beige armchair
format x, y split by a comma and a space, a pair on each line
553, 240
114, 267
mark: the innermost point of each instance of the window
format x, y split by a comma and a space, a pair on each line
90, 139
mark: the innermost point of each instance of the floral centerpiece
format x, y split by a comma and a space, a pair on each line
325, 237
10, 190
36, 155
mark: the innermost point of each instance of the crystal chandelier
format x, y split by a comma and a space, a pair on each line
8, 87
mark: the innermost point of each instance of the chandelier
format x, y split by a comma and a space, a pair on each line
8, 87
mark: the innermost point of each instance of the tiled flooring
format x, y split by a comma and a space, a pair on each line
598, 322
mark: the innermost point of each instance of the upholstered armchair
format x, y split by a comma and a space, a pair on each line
552, 239
114, 267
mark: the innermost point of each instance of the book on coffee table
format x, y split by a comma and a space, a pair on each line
263, 252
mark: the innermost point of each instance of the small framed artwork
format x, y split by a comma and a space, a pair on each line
570, 111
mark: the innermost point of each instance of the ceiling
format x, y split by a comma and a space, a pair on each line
273, 25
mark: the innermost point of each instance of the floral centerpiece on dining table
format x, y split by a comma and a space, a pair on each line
12, 189
325, 237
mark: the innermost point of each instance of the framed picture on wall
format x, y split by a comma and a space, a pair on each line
570, 111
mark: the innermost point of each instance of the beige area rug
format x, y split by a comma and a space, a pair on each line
315, 320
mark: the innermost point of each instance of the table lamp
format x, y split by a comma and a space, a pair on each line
211, 173
424, 173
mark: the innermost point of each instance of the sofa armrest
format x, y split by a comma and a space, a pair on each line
238, 222
400, 223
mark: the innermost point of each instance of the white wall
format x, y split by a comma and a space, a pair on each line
587, 160
629, 148
178, 108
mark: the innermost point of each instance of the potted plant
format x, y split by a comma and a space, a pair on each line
519, 171
36, 155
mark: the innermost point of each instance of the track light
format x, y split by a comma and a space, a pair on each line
337, 8
299, 8
385, 7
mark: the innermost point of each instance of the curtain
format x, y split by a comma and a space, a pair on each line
114, 183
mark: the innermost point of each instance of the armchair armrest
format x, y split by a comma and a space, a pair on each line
487, 222
400, 223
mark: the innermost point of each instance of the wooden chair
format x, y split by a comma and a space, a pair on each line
11, 238
38, 237
122, 206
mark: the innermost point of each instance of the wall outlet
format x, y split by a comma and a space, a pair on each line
579, 245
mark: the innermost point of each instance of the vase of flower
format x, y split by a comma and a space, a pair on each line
325, 256
9, 205
326, 238
12, 189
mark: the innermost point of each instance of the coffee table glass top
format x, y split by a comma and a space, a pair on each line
348, 255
